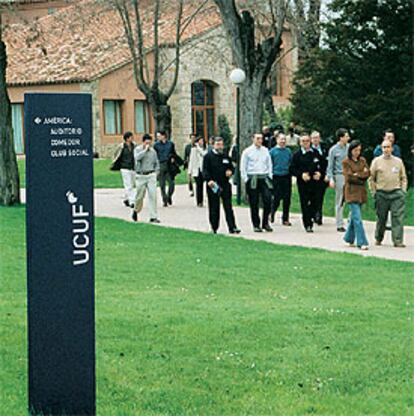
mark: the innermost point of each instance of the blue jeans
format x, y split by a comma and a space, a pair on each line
355, 227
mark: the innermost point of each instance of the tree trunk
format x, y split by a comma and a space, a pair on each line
162, 117
251, 109
9, 175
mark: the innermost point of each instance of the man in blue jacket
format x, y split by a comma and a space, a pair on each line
282, 180
388, 135
166, 154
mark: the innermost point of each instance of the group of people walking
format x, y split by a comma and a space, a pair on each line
266, 169
140, 168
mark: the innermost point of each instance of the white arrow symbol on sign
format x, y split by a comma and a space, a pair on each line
37, 120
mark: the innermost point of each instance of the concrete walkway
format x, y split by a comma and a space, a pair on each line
184, 214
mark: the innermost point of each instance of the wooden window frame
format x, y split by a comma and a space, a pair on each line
203, 108
121, 109
146, 117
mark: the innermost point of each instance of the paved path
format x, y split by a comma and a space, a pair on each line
184, 214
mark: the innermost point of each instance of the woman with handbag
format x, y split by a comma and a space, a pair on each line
195, 168
356, 173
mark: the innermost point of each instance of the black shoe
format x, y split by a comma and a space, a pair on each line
169, 200
340, 229
132, 206
287, 223
200, 205
155, 220
165, 204
191, 194
268, 228
235, 231
257, 230
319, 222
388, 228
134, 216
309, 230
214, 231
126, 202
272, 218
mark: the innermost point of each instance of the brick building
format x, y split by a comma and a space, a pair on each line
78, 46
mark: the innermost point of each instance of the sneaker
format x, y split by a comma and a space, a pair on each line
364, 248
257, 230
235, 231
268, 228
155, 220
134, 216
351, 244
287, 223
399, 245
340, 229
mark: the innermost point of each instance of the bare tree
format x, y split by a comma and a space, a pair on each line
148, 74
305, 19
9, 175
255, 53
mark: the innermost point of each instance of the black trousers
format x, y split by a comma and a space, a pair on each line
262, 190
308, 201
190, 184
320, 189
164, 177
199, 180
214, 207
282, 191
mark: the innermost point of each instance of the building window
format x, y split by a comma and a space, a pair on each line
141, 117
112, 116
203, 110
17, 124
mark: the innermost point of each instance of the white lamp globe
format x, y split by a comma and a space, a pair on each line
237, 76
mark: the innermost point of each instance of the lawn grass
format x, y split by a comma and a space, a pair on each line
199, 324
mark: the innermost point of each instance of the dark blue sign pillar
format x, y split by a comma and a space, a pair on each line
60, 253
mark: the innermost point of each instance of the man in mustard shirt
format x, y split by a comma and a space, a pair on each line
388, 184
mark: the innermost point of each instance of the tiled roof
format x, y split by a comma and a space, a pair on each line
85, 41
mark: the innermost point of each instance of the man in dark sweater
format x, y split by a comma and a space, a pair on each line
306, 167
166, 154
123, 161
282, 178
217, 171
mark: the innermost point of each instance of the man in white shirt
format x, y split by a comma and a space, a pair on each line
256, 173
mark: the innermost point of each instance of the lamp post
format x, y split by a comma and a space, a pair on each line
237, 77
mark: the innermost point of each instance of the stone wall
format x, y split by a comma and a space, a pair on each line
204, 58
92, 88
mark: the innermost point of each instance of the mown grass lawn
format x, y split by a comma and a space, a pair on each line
198, 324
104, 178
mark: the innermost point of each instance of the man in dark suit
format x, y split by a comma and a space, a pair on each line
217, 171
306, 167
